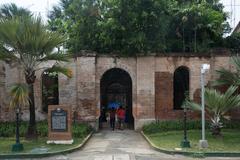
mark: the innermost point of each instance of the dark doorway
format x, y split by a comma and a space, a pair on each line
49, 89
181, 86
116, 86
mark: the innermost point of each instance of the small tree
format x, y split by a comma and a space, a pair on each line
27, 43
19, 98
217, 105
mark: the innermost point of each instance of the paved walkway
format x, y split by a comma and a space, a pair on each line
121, 145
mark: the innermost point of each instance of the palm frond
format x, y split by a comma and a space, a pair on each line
219, 103
19, 95
231, 100
61, 57
226, 77
9, 11
29, 40
236, 62
193, 106
65, 71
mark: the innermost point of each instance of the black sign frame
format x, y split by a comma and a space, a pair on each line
59, 112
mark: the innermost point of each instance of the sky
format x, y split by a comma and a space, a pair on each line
44, 6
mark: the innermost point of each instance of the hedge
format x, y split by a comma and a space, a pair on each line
7, 129
161, 126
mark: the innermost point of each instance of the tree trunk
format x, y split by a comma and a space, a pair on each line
195, 40
32, 128
216, 131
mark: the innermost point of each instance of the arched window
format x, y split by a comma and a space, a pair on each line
181, 86
49, 90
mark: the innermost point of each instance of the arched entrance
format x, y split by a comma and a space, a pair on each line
116, 86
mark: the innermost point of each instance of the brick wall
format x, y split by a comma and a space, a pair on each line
164, 98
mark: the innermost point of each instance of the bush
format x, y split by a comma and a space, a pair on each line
162, 126
171, 125
234, 124
8, 129
80, 130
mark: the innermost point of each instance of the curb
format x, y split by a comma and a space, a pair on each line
191, 153
27, 155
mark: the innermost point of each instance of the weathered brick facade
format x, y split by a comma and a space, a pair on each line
152, 85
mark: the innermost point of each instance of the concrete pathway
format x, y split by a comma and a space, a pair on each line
121, 145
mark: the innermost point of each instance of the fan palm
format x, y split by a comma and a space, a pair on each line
9, 11
19, 95
217, 105
26, 42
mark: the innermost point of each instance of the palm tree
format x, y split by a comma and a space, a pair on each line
26, 42
9, 11
217, 105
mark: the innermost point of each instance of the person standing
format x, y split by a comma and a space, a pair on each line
112, 118
121, 117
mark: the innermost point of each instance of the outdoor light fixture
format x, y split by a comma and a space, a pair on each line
17, 146
204, 68
203, 142
185, 143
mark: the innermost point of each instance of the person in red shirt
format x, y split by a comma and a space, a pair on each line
120, 117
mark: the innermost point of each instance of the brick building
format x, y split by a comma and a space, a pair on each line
149, 87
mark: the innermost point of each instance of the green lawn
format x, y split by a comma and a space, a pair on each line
230, 142
6, 145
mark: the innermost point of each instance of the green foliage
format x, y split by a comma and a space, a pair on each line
172, 125
7, 129
177, 125
25, 41
220, 104
139, 26
170, 140
19, 95
80, 130
217, 105
228, 77
233, 42
9, 11
198, 24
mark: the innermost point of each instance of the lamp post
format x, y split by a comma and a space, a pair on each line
185, 143
17, 146
203, 142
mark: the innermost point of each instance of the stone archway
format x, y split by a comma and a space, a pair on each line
116, 86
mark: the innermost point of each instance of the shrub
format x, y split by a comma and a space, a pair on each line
8, 129
80, 130
162, 126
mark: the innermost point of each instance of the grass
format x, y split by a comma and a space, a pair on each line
7, 137
6, 145
230, 142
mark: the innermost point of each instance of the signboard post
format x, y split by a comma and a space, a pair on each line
59, 124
